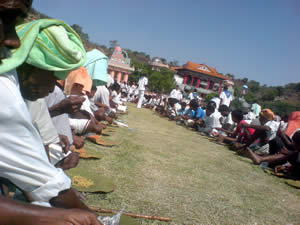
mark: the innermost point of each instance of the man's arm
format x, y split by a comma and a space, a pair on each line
15, 213
255, 127
101, 105
68, 105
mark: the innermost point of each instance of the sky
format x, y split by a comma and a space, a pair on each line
256, 39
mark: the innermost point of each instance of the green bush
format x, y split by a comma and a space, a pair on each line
208, 97
280, 108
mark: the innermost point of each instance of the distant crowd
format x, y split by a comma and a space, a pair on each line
267, 139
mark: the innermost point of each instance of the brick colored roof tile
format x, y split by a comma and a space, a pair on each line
202, 68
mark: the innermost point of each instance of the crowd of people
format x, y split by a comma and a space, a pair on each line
53, 93
267, 139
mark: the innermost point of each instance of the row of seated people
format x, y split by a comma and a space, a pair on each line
265, 138
43, 118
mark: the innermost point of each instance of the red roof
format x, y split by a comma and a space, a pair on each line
202, 68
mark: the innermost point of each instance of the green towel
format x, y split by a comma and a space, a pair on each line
48, 44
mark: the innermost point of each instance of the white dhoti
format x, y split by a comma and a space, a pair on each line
122, 108
79, 126
141, 98
56, 153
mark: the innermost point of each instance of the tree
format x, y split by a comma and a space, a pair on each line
269, 94
230, 75
237, 104
113, 43
245, 80
253, 86
280, 90
174, 63
161, 81
281, 108
208, 97
79, 31
163, 60
250, 98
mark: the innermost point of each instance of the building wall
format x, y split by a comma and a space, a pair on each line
203, 83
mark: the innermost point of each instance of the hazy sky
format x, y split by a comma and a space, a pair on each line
257, 39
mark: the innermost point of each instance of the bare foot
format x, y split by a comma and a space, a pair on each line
254, 157
69, 162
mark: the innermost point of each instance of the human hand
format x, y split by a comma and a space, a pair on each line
281, 168
75, 217
64, 142
72, 104
108, 119
78, 141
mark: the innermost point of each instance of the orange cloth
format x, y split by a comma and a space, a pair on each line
79, 76
267, 114
293, 123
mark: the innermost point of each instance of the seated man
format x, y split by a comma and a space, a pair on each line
172, 107
198, 114
23, 158
239, 135
115, 102
13, 212
57, 146
289, 150
279, 160
210, 122
226, 119
99, 110
79, 83
60, 107
265, 133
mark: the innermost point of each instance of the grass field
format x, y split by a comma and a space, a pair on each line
167, 170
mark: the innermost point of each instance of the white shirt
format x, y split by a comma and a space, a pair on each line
61, 122
101, 95
23, 159
227, 119
143, 81
42, 121
131, 89
176, 94
271, 134
217, 101
86, 105
225, 99
110, 81
116, 98
250, 116
213, 120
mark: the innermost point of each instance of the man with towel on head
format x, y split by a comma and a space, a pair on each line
22, 166
96, 65
50, 50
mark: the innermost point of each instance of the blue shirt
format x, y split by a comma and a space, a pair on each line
199, 113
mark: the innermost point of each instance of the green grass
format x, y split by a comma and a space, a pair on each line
167, 170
